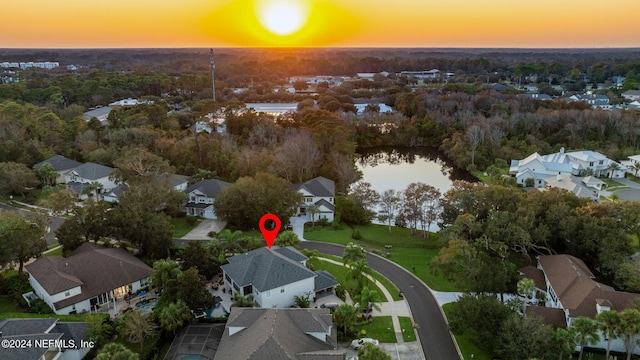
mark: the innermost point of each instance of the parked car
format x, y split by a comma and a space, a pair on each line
357, 343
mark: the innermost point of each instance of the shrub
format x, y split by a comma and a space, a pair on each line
40, 307
356, 234
212, 234
472, 168
324, 222
336, 225
191, 220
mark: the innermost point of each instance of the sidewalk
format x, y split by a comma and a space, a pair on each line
390, 308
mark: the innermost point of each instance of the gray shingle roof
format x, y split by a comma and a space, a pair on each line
60, 163
325, 203
209, 187
265, 269
93, 171
38, 329
105, 110
13, 327
279, 334
94, 268
291, 253
319, 186
76, 331
324, 280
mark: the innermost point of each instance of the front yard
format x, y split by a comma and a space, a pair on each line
182, 226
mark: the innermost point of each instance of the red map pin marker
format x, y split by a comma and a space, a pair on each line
269, 235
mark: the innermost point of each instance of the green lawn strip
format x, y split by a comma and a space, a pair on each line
380, 329
180, 227
408, 334
467, 348
9, 273
8, 305
340, 273
392, 289
75, 317
55, 252
408, 251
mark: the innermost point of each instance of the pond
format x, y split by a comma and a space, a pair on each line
395, 168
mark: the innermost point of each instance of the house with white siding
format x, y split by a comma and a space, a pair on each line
320, 192
201, 195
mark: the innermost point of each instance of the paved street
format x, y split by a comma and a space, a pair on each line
436, 340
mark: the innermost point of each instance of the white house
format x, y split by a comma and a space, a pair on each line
595, 100
100, 113
569, 286
61, 165
62, 340
275, 277
578, 163
200, 197
90, 278
88, 173
584, 187
631, 95
279, 334
320, 192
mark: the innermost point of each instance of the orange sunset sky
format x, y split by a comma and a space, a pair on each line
324, 23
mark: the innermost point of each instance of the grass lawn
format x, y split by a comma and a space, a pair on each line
380, 329
408, 334
55, 252
99, 318
8, 305
409, 251
9, 273
340, 273
467, 348
180, 226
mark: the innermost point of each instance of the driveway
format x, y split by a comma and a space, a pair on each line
297, 225
433, 332
201, 232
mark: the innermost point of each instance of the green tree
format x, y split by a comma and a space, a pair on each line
585, 332
372, 352
243, 203
21, 237
629, 329
61, 202
164, 276
287, 238
302, 301
368, 298
137, 326
345, 316
243, 301
46, 174
635, 167
390, 201
93, 188
16, 178
364, 195
526, 288
352, 253
174, 315
608, 322
564, 341
192, 289
116, 351
359, 270
524, 337
312, 210
198, 256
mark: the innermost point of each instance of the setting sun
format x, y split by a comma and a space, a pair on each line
282, 17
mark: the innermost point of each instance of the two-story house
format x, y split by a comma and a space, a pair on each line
201, 195
81, 176
275, 277
90, 278
61, 165
320, 192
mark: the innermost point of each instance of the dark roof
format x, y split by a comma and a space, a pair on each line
60, 163
38, 329
573, 282
92, 171
325, 203
535, 274
118, 190
319, 186
198, 205
94, 268
324, 281
550, 316
499, 87
265, 269
279, 334
13, 327
209, 187
76, 331
105, 110
196, 340
76, 187
28, 353
291, 253
176, 179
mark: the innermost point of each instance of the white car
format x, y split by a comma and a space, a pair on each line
357, 343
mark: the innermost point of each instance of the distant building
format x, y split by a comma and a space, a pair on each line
101, 113
595, 100
632, 95
61, 165
128, 103
539, 96
30, 64
201, 195
422, 75
320, 192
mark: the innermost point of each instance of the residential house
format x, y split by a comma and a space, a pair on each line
422, 75
274, 334
60, 164
541, 167
63, 340
539, 96
595, 100
585, 187
100, 113
633, 95
81, 176
128, 103
569, 285
200, 197
320, 192
275, 277
178, 182
90, 278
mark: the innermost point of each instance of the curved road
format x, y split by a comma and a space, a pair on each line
54, 223
437, 343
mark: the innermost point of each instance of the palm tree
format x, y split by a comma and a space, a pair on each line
608, 322
116, 351
565, 341
164, 273
358, 271
243, 301
352, 253
636, 168
629, 329
93, 188
345, 316
613, 167
527, 288
586, 333
137, 326
174, 315
313, 210
368, 298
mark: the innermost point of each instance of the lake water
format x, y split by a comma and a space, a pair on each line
395, 168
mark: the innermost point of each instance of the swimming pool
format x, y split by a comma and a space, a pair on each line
217, 311
146, 306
